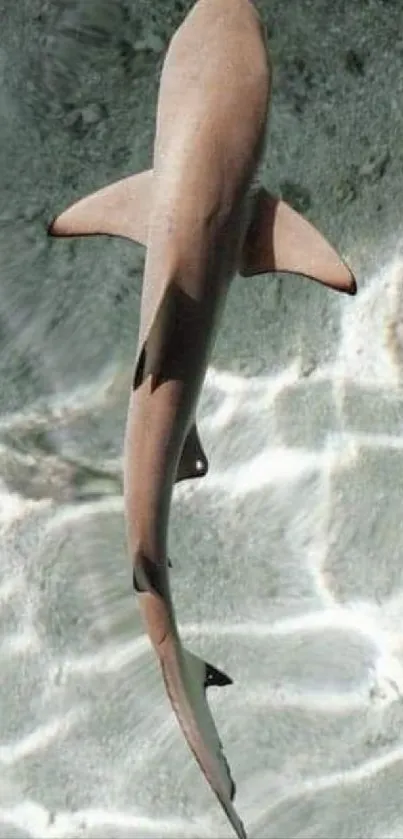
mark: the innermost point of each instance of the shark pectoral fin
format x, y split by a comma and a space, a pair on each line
280, 239
193, 461
120, 209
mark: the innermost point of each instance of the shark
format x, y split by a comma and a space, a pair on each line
204, 217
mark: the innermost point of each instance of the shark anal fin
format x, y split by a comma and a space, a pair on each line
215, 677
280, 239
120, 209
193, 461
206, 673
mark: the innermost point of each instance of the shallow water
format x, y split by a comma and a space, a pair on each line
280, 576
287, 567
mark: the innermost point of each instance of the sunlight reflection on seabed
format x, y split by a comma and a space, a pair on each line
301, 462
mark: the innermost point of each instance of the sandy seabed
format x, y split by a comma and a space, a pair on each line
287, 569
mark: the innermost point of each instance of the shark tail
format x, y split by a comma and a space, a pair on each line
187, 678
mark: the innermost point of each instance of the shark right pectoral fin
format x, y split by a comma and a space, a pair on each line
280, 239
120, 209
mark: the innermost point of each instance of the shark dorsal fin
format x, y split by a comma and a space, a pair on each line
280, 239
120, 209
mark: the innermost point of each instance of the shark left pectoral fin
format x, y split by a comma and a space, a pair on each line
119, 209
280, 239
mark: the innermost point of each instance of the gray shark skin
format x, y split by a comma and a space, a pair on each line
202, 219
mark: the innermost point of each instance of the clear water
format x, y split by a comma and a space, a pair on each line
287, 568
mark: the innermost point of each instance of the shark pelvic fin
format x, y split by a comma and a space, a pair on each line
280, 239
193, 461
120, 209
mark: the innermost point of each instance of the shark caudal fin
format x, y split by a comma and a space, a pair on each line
187, 678
280, 239
120, 209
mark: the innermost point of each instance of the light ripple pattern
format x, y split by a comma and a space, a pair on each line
287, 558
315, 712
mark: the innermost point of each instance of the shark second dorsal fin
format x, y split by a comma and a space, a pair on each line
280, 239
120, 209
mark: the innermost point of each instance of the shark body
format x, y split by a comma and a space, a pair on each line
202, 218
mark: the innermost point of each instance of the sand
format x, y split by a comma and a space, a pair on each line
287, 568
